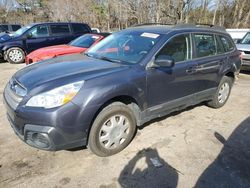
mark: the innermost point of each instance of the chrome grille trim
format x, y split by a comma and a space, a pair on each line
11, 97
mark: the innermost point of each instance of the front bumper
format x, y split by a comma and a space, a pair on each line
245, 64
48, 130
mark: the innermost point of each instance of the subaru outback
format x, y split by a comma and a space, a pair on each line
99, 98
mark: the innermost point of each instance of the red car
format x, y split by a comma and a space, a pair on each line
78, 45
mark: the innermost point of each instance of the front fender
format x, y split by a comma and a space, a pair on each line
8, 46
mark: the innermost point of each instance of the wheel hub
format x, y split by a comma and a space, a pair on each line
223, 92
114, 131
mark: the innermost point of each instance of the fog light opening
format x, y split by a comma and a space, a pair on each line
40, 140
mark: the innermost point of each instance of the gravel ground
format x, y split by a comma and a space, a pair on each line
198, 147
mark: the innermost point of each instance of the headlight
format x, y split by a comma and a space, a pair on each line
56, 97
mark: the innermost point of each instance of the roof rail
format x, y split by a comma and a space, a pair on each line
145, 24
185, 25
201, 25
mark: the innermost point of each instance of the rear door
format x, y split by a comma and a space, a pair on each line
60, 34
210, 57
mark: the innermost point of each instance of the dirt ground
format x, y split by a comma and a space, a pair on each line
198, 147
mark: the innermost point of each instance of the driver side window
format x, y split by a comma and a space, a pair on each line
178, 48
39, 31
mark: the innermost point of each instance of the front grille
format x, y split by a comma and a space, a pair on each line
247, 52
14, 93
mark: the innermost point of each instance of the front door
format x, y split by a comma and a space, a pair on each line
172, 87
37, 37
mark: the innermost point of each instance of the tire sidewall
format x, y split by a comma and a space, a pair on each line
103, 116
13, 62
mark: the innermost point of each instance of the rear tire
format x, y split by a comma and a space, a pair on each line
15, 55
222, 94
112, 130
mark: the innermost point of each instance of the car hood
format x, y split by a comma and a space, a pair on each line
64, 69
243, 47
53, 51
4, 37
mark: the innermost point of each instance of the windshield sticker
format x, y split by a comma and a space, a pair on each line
150, 35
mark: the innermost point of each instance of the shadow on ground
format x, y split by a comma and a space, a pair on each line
232, 167
156, 172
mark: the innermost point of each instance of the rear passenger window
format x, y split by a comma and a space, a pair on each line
219, 47
79, 29
227, 44
178, 48
15, 27
60, 29
205, 45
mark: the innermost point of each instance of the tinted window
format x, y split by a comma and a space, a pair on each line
5, 27
85, 41
205, 45
79, 28
178, 48
227, 44
39, 31
15, 27
60, 29
219, 46
2, 29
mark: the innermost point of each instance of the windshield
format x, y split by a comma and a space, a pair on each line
21, 31
246, 39
124, 47
84, 41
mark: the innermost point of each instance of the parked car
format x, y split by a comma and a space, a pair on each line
98, 99
14, 47
244, 46
9, 28
78, 45
95, 30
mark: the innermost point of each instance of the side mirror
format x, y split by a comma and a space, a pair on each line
164, 61
29, 36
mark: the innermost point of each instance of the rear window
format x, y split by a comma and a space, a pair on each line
227, 44
205, 45
85, 41
80, 28
15, 27
60, 29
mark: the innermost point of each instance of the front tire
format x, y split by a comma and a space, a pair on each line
222, 94
15, 55
112, 130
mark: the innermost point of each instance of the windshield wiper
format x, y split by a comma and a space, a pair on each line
109, 59
87, 54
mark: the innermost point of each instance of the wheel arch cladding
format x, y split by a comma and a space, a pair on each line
124, 99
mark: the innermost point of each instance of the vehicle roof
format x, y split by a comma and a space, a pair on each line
8, 24
57, 23
164, 29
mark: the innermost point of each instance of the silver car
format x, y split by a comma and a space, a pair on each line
244, 47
